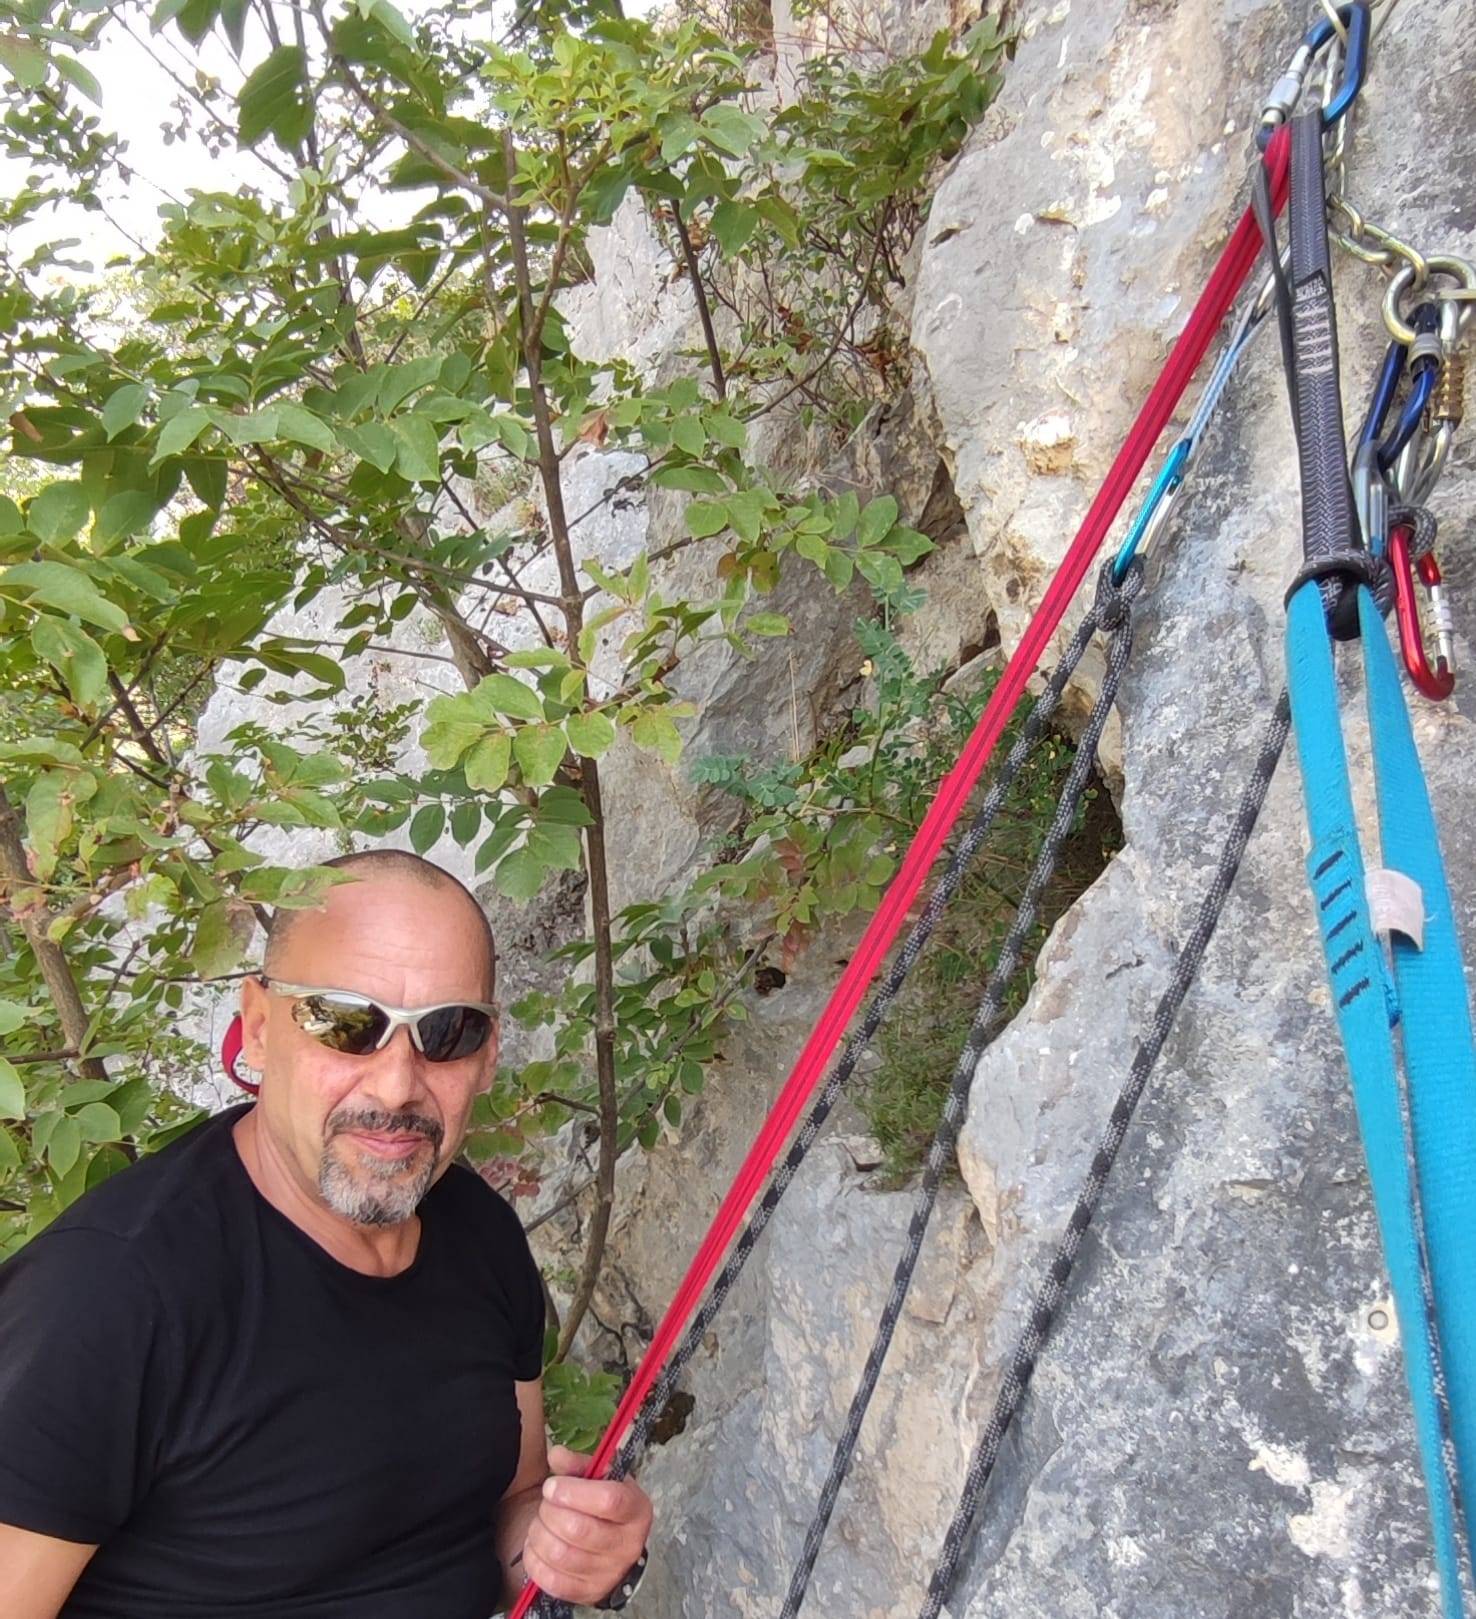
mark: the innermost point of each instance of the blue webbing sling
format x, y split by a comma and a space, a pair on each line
1417, 1118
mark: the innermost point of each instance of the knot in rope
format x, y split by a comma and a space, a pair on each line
1115, 596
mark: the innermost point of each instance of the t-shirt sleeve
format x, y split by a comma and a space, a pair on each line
80, 1340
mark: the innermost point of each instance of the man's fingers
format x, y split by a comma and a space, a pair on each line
579, 1529
557, 1583
563, 1570
598, 1498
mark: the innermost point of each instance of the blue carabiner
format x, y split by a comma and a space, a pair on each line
1355, 18
1287, 91
1170, 476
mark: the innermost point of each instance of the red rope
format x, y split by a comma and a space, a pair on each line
1225, 281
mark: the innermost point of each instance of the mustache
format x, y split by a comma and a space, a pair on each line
381, 1122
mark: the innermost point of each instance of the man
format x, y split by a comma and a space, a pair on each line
289, 1367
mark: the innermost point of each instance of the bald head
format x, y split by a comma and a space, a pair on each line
371, 865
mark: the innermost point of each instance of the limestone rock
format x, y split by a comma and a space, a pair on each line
1220, 1428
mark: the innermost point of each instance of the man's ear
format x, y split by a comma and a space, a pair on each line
254, 1004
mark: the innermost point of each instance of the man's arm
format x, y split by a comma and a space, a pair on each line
37, 1572
577, 1537
519, 1507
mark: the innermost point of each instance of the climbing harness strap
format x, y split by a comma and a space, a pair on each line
1230, 271
1418, 1127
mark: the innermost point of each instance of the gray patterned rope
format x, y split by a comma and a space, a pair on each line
840, 1075
1112, 610
1052, 1291
1033, 729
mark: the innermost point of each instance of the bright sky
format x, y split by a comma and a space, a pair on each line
138, 96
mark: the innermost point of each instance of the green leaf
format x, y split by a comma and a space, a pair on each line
705, 518
418, 449
657, 733
590, 733
74, 73
557, 846
688, 433
49, 818
67, 589
426, 827
487, 764
505, 694
122, 516
730, 128
680, 135
565, 806
700, 480
98, 1123
274, 100
221, 937
908, 546
497, 844
539, 750
519, 875
767, 624
23, 59
876, 520
300, 426
372, 442
727, 430
12, 1092
58, 512
65, 1145
466, 820
12, 1015
180, 432
733, 223
124, 407
75, 656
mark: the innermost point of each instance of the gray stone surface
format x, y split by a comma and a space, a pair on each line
1220, 1429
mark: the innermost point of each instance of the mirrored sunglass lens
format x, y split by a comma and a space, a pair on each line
342, 1025
453, 1031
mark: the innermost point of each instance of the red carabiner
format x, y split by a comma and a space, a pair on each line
1437, 683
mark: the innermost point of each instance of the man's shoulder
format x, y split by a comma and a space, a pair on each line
147, 1206
464, 1194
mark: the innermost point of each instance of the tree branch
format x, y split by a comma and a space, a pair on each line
550, 472
55, 969
704, 313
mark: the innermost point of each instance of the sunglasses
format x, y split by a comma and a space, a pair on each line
357, 1026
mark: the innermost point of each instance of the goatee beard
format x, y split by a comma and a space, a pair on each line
371, 1191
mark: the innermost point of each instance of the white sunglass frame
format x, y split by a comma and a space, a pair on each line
400, 1017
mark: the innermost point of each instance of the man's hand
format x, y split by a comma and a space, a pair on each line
588, 1532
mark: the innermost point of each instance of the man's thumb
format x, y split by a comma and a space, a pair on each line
566, 1463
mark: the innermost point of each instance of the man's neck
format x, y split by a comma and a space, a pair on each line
372, 1250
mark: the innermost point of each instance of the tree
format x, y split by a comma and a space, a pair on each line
321, 378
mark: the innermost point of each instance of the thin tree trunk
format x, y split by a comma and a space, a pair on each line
589, 778
704, 312
55, 969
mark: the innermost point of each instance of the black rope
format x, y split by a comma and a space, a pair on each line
1048, 1300
1112, 610
1031, 732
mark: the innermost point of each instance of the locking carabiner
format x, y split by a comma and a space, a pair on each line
1437, 683
1287, 91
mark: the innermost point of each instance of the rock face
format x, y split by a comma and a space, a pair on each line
1220, 1428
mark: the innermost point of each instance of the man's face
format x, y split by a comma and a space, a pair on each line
370, 1134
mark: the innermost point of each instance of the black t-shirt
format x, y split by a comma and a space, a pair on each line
248, 1427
